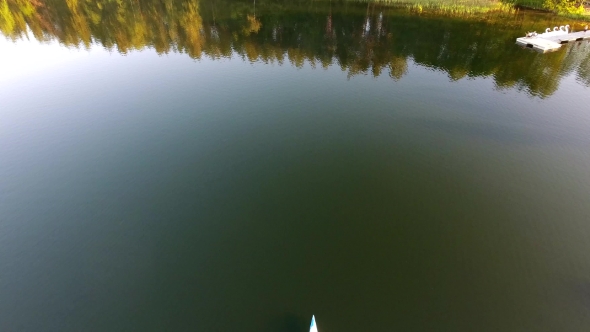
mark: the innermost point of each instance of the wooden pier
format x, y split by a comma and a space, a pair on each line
546, 44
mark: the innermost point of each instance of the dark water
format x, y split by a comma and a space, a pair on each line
215, 166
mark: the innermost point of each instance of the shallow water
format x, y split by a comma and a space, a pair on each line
211, 166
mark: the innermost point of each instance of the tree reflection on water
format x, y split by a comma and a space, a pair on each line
361, 38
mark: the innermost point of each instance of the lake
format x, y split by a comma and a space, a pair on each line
222, 165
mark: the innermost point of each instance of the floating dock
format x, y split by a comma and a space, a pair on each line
546, 44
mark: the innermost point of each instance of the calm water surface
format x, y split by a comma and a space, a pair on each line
215, 166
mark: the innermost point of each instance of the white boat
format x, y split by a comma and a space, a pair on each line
313, 327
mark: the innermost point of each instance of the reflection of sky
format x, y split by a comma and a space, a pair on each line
30, 62
24, 58
467, 106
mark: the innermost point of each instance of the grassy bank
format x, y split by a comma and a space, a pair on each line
449, 5
571, 8
574, 8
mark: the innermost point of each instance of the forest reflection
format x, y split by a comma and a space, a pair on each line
361, 38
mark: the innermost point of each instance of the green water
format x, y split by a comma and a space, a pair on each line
225, 166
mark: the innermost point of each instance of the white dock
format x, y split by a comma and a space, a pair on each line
547, 43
